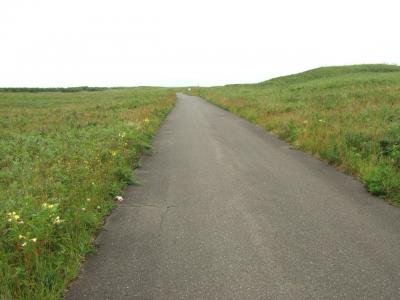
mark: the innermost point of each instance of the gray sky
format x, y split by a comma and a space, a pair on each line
185, 42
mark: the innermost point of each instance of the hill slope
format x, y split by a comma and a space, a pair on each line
347, 115
337, 71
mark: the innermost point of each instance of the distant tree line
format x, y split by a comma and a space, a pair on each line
63, 90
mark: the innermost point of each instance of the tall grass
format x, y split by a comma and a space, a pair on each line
63, 157
349, 116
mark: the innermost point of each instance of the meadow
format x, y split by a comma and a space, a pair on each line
348, 116
64, 156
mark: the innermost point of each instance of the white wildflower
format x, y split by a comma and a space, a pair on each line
57, 220
119, 198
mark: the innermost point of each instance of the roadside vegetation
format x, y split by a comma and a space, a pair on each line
63, 158
349, 116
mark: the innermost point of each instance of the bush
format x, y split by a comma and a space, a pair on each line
390, 145
384, 179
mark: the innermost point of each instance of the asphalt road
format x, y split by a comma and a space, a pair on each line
228, 211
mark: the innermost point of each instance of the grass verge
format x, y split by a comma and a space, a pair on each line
349, 116
63, 157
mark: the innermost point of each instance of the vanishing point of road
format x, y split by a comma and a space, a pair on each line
227, 211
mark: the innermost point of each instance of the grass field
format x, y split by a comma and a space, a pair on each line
349, 116
63, 158
65, 154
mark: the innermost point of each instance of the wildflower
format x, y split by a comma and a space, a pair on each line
322, 121
83, 208
113, 153
146, 121
21, 237
34, 240
98, 207
46, 205
13, 216
57, 220
122, 134
88, 199
119, 198
23, 244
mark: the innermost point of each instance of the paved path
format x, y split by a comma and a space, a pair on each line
227, 211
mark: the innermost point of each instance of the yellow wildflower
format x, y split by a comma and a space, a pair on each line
13, 216
46, 205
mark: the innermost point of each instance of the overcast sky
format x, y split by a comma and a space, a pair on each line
186, 42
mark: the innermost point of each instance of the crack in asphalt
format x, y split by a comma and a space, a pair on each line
164, 214
150, 205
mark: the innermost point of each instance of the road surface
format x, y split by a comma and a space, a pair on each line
228, 211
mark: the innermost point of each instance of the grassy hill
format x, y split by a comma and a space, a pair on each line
347, 115
329, 72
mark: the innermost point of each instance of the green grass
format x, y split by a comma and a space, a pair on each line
349, 116
65, 154
63, 158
